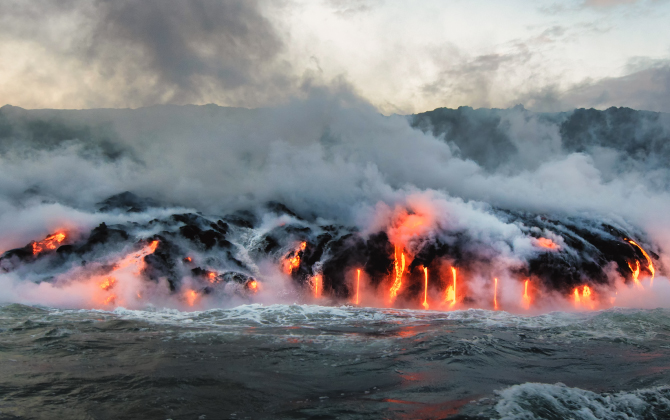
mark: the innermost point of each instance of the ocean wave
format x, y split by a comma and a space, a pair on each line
531, 401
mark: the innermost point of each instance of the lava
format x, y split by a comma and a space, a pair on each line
425, 288
650, 266
191, 297
450, 295
49, 243
134, 260
252, 285
399, 269
317, 283
212, 277
108, 283
585, 298
495, 294
636, 272
526, 296
358, 286
292, 260
546, 243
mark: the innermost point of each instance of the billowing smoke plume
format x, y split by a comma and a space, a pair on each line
325, 200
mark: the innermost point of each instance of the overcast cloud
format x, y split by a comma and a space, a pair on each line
399, 57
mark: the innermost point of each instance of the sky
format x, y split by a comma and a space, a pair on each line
400, 56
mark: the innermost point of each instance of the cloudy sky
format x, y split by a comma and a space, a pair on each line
401, 56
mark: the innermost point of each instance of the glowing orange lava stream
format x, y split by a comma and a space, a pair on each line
292, 262
451, 290
358, 286
425, 288
526, 296
585, 297
135, 259
495, 294
399, 269
50, 242
636, 272
318, 285
191, 297
650, 266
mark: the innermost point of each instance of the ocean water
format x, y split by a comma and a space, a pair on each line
316, 362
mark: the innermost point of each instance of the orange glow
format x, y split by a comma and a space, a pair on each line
317, 282
253, 285
292, 261
585, 298
406, 226
108, 283
425, 288
451, 290
526, 296
495, 294
358, 286
546, 243
190, 296
650, 266
132, 261
212, 277
50, 242
636, 272
399, 269
188, 259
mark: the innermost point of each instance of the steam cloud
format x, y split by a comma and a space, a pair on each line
486, 183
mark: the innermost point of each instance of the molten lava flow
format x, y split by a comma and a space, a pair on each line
292, 261
495, 294
212, 277
190, 296
49, 243
318, 285
425, 288
253, 286
108, 283
585, 298
399, 269
546, 243
526, 296
451, 290
125, 265
188, 259
636, 272
358, 286
650, 266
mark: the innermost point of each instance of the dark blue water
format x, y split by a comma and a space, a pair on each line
312, 362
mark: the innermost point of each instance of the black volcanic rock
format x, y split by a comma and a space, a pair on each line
103, 235
126, 201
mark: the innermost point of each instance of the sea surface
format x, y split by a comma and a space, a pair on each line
316, 362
